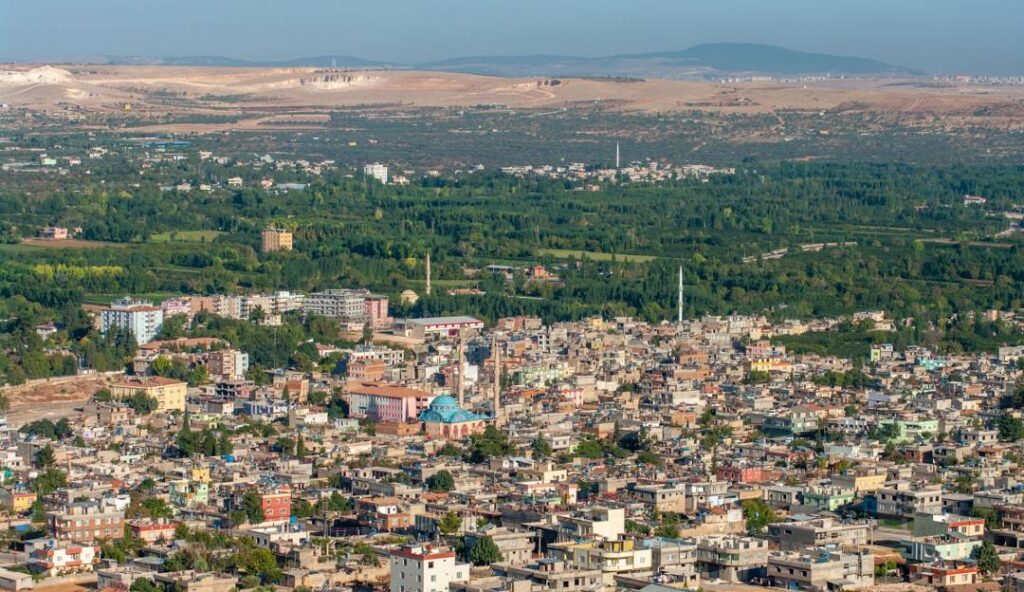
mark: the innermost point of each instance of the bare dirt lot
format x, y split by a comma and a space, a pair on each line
50, 399
218, 99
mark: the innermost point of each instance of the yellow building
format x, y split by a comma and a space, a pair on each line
545, 472
861, 483
275, 239
169, 394
16, 501
613, 557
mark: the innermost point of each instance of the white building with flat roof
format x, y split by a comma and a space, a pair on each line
138, 316
423, 568
377, 171
440, 326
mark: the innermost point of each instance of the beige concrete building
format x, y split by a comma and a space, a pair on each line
796, 536
86, 523
275, 239
169, 393
819, 573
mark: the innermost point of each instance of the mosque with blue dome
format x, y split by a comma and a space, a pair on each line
445, 418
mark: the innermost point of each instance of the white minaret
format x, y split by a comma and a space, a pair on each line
616, 156
428, 273
461, 385
497, 379
680, 294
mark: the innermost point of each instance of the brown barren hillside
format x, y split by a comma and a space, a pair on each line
301, 98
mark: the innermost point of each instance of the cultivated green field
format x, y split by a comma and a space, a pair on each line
595, 256
186, 236
106, 299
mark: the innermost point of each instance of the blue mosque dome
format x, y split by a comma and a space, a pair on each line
446, 409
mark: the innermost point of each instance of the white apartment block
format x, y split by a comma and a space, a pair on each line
377, 171
422, 568
138, 316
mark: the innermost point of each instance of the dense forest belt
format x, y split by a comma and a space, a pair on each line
845, 238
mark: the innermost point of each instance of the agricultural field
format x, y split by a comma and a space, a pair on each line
185, 236
594, 255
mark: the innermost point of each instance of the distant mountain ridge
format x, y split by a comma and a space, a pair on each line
706, 60
328, 61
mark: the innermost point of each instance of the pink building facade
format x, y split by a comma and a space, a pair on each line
387, 403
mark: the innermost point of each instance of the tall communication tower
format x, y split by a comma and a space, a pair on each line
616, 155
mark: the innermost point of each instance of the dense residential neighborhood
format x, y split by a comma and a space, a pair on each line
458, 296
439, 454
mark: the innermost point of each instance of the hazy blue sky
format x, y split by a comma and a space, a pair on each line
985, 36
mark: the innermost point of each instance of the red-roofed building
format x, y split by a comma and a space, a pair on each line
382, 513
423, 568
51, 558
386, 402
152, 531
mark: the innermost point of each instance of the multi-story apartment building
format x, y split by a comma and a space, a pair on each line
827, 496
382, 513
818, 573
734, 559
390, 357
796, 536
227, 363
275, 239
276, 505
152, 531
188, 493
270, 305
138, 316
939, 576
387, 403
516, 546
741, 474
617, 557
678, 556
663, 498
376, 171
234, 388
903, 499
606, 523
1010, 531
352, 308
861, 481
366, 370
951, 524
701, 495
169, 393
423, 568
55, 558
86, 522
552, 574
